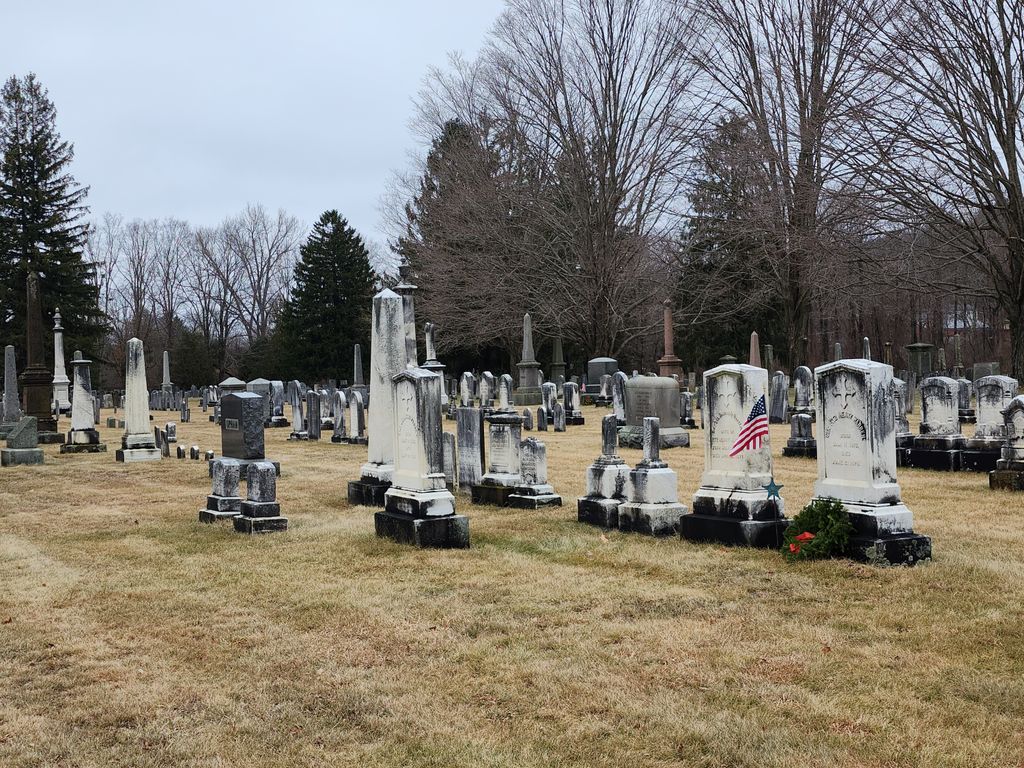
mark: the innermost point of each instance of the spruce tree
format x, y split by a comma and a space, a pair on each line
330, 304
42, 220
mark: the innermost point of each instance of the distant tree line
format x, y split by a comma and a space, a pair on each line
817, 170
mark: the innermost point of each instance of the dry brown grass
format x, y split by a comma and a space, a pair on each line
131, 635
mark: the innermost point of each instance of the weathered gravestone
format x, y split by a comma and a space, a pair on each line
939, 443
260, 512
778, 398
502, 476
596, 368
534, 491
340, 434
857, 461
390, 354
223, 503
83, 437
22, 444
469, 433
607, 481
61, 383
277, 417
652, 504
529, 369
137, 442
242, 430
36, 381
983, 449
572, 403
965, 396
1009, 472
732, 505
418, 507
619, 380
801, 441
356, 419
656, 396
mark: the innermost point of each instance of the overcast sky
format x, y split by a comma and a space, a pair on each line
193, 109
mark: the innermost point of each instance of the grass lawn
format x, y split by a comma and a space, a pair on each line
132, 635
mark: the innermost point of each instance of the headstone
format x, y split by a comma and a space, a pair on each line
940, 361
432, 364
904, 437
865, 348
607, 481
505, 387
731, 504
469, 436
1009, 472
83, 437
405, 289
985, 369
686, 410
652, 504
919, 356
11, 405
769, 357
137, 443
36, 381
803, 391
22, 444
527, 419
61, 401
390, 353
655, 396
572, 403
313, 414
262, 387
502, 473
619, 397
549, 396
467, 385
356, 419
984, 448
801, 441
754, 358
260, 512
965, 396
172, 432
180, 450
837, 351
596, 368
604, 396
277, 417
241, 427
224, 501
487, 390
534, 491
450, 461
340, 434
298, 416
558, 419
778, 399
418, 507
857, 461
939, 443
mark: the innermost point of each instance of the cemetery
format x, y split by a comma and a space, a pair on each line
670, 416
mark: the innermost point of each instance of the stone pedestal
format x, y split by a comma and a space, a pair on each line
13, 457
1009, 472
83, 437
731, 506
652, 504
607, 482
22, 444
502, 474
223, 503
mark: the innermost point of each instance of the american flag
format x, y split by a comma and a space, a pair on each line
754, 430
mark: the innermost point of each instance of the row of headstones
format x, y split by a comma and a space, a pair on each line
498, 394
856, 404
343, 414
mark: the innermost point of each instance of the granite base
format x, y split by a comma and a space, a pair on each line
598, 511
448, 532
13, 457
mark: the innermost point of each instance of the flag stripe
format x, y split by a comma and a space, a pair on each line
754, 430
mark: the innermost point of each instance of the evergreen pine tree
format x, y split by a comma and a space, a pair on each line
42, 221
330, 304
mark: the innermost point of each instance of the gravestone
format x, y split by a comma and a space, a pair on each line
22, 444
596, 368
904, 437
778, 398
939, 443
607, 481
469, 432
260, 512
652, 504
542, 419
502, 474
966, 395
83, 437
223, 503
1009, 472
558, 417
358, 383
390, 354
171, 429
432, 364
731, 505
604, 393
467, 385
686, 410
857, 461
557, 371
263, 388
277, 417
298, 416
487, 390
356, 419
984, 448
340, 435
803, 391
549, 396
61, 384
242, 429
527, 419
656, 396
572, 403
314, 417
505, 395
418, 507
534, 491
11, 406
669, 365
619, 380
801, 443
982, 370
450, 462
137, 443
530, 376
